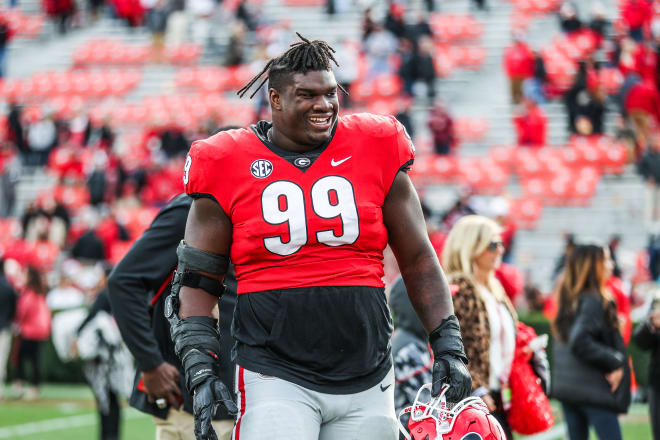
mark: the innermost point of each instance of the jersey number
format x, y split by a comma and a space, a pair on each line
332, 197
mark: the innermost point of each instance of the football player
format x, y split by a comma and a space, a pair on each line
304, 206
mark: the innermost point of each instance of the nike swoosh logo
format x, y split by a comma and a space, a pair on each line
383, 388
339, 162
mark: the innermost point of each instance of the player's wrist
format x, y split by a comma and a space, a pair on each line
446, 339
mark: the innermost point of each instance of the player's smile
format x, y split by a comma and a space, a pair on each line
322, 122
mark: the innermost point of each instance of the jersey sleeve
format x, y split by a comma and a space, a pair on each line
405, 147
197, 172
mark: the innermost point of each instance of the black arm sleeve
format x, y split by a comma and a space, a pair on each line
143, 270
102, 302
584, 337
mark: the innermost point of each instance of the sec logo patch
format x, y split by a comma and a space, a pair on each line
261, 168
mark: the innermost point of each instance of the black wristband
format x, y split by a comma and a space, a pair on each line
199, 281
446, 339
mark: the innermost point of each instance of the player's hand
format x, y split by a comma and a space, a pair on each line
208, 396
450, 370
449, 361
163, 382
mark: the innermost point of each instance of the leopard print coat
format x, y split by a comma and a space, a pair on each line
472, 315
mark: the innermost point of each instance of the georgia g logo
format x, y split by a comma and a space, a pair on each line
261, 168
472, 436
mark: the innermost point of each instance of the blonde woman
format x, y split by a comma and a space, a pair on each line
472, 252
590, 371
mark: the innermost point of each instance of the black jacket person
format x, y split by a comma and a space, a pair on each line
137, 287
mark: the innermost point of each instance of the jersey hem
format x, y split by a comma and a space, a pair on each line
351, 386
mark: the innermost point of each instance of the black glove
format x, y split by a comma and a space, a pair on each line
206, 399
197, 343
449, 361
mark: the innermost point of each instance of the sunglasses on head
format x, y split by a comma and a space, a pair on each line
494, 245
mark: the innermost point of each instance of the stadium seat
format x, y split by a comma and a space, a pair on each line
470, 129
527, 212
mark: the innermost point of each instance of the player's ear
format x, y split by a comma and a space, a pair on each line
275, 99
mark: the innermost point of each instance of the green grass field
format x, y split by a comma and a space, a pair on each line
68, 412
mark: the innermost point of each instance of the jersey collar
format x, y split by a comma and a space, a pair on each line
302, 161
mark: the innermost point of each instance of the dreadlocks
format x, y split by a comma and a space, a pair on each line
301, 57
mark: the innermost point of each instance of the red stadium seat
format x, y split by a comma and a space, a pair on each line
527, 212
443, 168
503, 156
471, 129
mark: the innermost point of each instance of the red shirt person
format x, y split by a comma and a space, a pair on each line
519, 64
531, 125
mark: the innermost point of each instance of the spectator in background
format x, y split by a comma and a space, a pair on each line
156, 20
480, 5
585, 100
394, 20
441, 125
244, 14
460, 209
403, 115
420, 28
236, 48
649, 168
425, 67
201, 12
535, 87
89, 246
636, 14
368, 24
569, 245
33, 322
519, 65
599, 22
7, 311
42, 138
67, 294
379, 46
642, 105
347, 71
177, 23
587, 332
5, 35
107, 364
94, 7
647, 337
531, 124
412, 358
61, 11
80, 128
568, 18
471, 254
15, 131
407, 68
10, 170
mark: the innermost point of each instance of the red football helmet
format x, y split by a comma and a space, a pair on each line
469, 419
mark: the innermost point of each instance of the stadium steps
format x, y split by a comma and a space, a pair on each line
618, 203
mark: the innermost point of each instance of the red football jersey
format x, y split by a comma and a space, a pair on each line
316, 224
